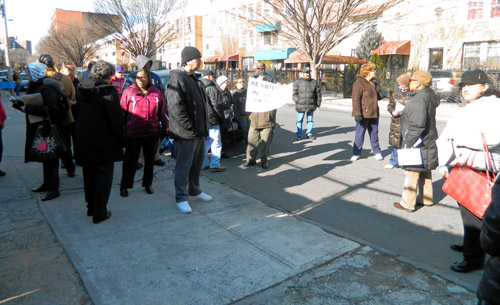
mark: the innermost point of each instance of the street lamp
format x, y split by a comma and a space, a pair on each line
7, 58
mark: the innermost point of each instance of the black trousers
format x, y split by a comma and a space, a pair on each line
1, 146
51, 175
97, 182
473, 252
149, 147
67, 132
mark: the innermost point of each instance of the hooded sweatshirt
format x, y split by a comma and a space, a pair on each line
141, 62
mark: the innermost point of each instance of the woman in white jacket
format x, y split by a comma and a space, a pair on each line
461, 142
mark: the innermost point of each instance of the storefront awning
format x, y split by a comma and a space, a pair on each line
269, 27
277, 54
218, 58
234, 57
401, 47
299, 57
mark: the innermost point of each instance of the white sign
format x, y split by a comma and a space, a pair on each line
265, 96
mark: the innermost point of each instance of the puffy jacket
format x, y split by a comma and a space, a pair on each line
215, 102
395, 128
144, 114
240, 102
306, 94
187, 106
99, 127
365, 97
418, 120
68, 90
489, 287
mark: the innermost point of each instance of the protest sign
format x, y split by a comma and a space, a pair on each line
265, 96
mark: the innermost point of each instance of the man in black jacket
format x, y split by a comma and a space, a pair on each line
215, 119
307, 98
189, 125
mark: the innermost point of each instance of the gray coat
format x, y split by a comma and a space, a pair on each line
418, 121
306, 95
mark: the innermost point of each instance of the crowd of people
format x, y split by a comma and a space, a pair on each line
110, 119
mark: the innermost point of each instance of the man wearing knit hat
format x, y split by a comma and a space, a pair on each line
418, 129
189, 125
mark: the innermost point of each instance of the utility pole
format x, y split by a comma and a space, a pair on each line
7, 58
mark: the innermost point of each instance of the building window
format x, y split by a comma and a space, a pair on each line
495, 8
436, 59
475, 9
266, 9
270, 38
177, 27
244, 39
471, 55
250, 12
493, 55
247, 63
250, 38
188, 24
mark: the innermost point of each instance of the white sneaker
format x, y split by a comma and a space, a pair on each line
389, 166
354, 157
184, 207
203, 197
379, 157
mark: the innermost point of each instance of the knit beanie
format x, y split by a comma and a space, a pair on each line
404, 80
37, 71
189, 53
221, 79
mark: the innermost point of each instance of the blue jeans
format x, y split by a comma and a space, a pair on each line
361, 127
310, 123
214, 143
394, 158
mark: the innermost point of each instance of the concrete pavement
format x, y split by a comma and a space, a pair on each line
235, 249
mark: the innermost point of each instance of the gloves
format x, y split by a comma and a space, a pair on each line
358, 118
17, 104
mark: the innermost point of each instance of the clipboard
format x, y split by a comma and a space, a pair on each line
36, 100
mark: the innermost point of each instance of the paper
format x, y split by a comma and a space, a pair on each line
399, 108
36, 100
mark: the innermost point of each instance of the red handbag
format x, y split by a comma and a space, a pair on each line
471, 188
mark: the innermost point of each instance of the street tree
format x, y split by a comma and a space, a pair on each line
145, 25
317, 26
370, 40
73, 44
20, 58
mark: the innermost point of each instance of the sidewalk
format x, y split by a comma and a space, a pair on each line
234, 249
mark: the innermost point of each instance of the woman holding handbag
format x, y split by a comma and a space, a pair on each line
47, 87
461, 143
144, 108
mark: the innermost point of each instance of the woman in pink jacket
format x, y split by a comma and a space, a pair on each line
144, 108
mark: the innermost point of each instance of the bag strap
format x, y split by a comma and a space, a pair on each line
488, 163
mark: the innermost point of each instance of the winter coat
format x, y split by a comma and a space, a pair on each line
418, 121
68, 90
240, 102
144, 114
99, 128
395, 128
140, 62
365, 97
489, 287
261, 120
306, 94
187, 106
118, 84
48, 88
227, 98
215, 102
3, 115
461, 139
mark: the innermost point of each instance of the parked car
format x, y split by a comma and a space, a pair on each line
163, 74
24, 82
445, 84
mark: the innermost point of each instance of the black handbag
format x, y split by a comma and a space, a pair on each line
47, 143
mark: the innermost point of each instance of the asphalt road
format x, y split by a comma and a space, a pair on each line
317, 181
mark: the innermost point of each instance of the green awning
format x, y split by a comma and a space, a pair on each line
269, 27
273, 54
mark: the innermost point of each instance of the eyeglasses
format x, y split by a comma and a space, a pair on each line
240, 82
413, 80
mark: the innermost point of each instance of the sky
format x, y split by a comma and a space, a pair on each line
31, 18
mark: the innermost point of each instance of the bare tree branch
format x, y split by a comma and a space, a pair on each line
144, 26
317, 26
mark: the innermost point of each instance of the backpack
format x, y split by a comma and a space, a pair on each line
62, 104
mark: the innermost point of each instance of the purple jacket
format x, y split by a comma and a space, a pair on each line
144, 115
